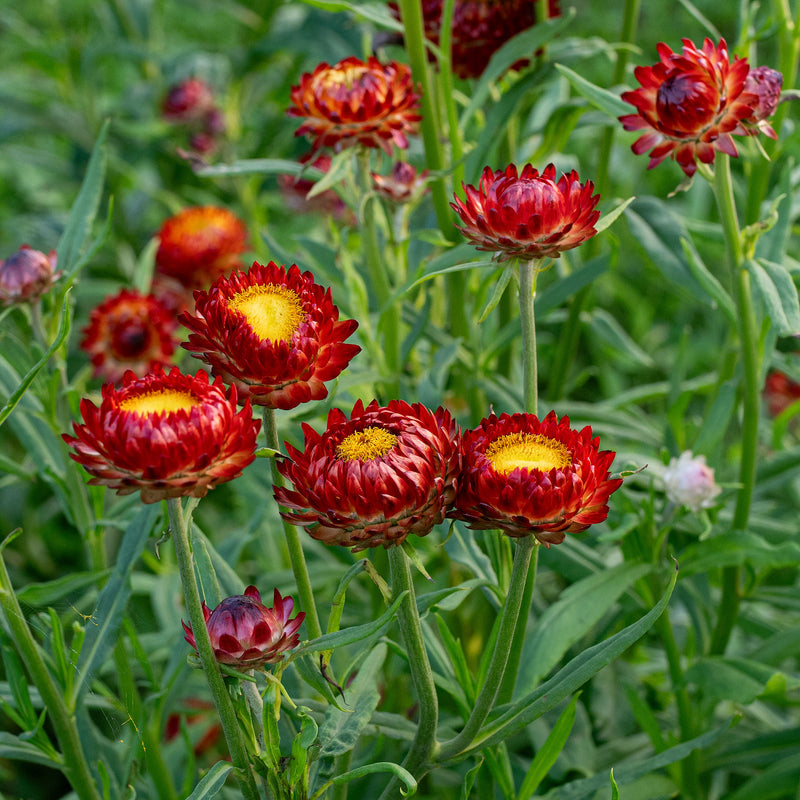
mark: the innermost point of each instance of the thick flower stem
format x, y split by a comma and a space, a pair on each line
296, 556
74, 762
527, 295
422, 748
740, 279
505, 637
179, 526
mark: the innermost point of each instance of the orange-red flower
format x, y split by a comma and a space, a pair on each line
402, 185
26, 275
690, 104
526, 476
273, 333
357, 103
246, 634
528, 215
166, 435
199, 244
375, 478
129, 331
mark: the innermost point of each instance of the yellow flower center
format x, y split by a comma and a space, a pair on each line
347, 77
159, 401
273, 312
365, 445
527, 450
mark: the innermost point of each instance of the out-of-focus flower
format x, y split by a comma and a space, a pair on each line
531, 477
528, 215
690, 104
689, 481
246, 634
129, 331
480, 28
166, 435
188, 101
780, 391
199, 714
404, 183
357, 103
766, 84
26, 275
273, 333
375, 478
199, 244
295, 191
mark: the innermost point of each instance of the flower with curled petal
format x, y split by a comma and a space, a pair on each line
689, 104
357, 102
528, 215
26, 275
246, 634
199, 244
129, 331
375, 478
531, 477
272, 332
165, 435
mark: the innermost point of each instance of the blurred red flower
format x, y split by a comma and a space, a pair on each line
190, 100
403, 184
780, 391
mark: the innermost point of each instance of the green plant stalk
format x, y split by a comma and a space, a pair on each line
448, 96
505, 636
530, 371
424, 744
74, 763
740, 279
296, 556
179, 527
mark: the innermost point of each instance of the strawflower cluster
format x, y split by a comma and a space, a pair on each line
190, 103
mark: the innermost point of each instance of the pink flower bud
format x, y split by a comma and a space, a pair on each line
689, 481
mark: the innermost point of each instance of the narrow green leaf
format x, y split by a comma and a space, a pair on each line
614, 787
564, 288
229, 582
736, 547
50, 592
607, 329
702, 19
497, 294
709, 283
717, 419
341, 164
610, 217
261, 166
374, 12
15, 749
469, 779
779, 294
368, 769
776, 781
606, 101
212, 782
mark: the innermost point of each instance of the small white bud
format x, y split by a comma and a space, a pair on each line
689, 482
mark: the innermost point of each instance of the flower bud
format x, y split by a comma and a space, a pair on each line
689, 481
26, 275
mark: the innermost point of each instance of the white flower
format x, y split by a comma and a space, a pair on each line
689, 481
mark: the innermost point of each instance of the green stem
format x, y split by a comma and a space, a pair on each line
422, 748
527, 294
505, 637
179, 526
296, 556
75, 765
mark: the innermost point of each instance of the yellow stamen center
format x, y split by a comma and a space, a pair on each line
366, 445
348, 77
527, 450
164, 400
273, 312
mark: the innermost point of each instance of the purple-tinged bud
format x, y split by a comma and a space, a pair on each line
766, 84
26, 275
402, 185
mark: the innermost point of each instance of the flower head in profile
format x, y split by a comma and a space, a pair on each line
375, 478
690, 104
402, 185
273, 333
357, 102
528, 215
129, 331
780, 391
527, 476
26, 275
246, 634
165, 435
766, 84
199, 244
689, 481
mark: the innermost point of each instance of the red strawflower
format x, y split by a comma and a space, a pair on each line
402, 185
528, 216
526, 476
246, 634
780, 391
357, 103
766, 84
375, 478
129, 331
166, 435
273, 333
199, 244
26, 275
188, 101
690, 104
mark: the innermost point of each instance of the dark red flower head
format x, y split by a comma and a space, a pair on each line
166, 435
528, 215
273, 333
188, 101
766, 84
780, 391
129, 331
531, 477
26, 275
357, 102
375, 478
690, 104
246, 634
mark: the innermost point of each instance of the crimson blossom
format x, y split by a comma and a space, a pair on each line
527, 476
690, 104
375, 478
